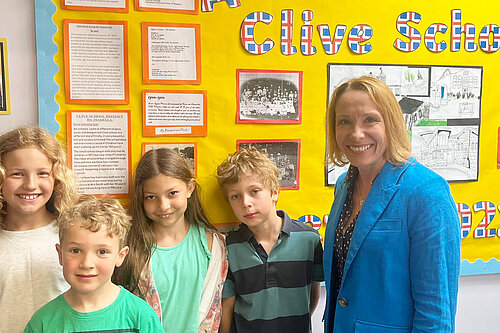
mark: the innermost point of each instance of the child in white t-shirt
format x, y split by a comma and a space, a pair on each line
35, 186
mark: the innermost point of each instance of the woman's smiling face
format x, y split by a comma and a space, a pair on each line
360, 131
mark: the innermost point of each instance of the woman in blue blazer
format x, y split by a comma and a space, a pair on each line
392, 244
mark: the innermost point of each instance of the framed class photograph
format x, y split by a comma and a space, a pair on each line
4, 78
188, 150
285, 154
269, 96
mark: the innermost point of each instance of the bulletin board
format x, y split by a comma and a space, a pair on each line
231, 56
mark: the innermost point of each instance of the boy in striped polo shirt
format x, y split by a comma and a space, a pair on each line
275, 263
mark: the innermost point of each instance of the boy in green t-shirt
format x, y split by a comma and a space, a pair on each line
91, 236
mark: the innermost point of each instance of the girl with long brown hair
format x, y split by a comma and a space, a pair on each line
177, 259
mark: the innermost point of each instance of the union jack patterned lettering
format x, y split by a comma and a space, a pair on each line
358, 34
466, 217
468, 29
287, 32
306, 34
312, 219
430, 37
489, 208
331, 46
247, 33
484, 36
404, 29
208, 5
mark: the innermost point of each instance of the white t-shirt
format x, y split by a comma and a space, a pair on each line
30, 274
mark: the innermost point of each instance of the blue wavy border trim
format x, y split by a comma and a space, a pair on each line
46, 49
479, 267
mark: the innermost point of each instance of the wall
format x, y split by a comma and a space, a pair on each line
17, 24
479, 295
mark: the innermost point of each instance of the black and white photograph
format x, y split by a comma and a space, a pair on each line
269, 96
186, 149
285, 154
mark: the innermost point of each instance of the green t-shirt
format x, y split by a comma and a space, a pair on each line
179, 272
128, 313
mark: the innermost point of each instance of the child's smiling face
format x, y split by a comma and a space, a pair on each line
89, 259
28, 183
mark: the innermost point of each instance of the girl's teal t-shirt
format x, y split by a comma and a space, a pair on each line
179, 272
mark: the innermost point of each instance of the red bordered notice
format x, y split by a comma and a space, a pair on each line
99, 151
171, 53
96, 62
174, 112
117, 6
168, 6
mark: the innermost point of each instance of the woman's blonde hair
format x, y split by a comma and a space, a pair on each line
64, 192
141, 238
398, 144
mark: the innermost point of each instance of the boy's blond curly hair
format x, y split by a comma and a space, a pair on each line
250, 162
96, 213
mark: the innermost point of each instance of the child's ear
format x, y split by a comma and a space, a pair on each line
121, 256
274, 195
190, 187
59, 254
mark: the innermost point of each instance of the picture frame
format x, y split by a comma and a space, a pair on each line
168, 6
174, 113
285, 154
269, 96
188, 150
4, 78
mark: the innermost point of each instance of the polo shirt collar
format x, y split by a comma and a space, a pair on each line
285, 228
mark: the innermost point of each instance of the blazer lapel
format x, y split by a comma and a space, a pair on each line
383, 189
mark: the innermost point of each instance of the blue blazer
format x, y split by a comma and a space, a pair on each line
402, 268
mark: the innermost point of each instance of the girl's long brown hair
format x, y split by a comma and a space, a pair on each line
141, 238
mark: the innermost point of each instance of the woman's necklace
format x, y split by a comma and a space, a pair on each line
362, 198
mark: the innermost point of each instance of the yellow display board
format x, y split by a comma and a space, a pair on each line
226, 48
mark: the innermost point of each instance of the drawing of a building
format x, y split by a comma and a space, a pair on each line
439, 148
413, 111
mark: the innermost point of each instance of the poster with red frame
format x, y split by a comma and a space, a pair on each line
168, 6
96, 62
114, 6
171, 53
188, 150
285, 154
99, 151
174, 112
268, 96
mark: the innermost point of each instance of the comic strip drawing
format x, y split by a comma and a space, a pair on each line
441, 109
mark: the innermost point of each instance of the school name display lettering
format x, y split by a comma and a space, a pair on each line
488, 39
464, 211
